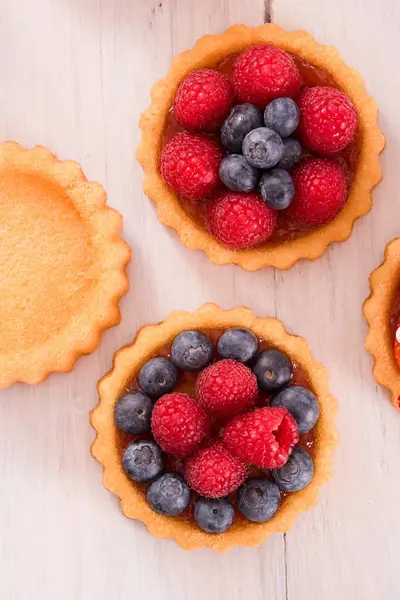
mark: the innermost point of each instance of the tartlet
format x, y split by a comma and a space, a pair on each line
127, 363
378, 311
63, 264
208, 52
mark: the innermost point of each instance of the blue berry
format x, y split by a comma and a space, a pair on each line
297, 473
282, 115
158, 376
238, 344
214, 516
168, 495
277, 189
301, 403
132, 413
237, 174
263, 148
242, 119
258, 499
292, 152
142, 461
191, 351
273, 370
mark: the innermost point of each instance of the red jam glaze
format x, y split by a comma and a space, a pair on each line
187, 384
286, 229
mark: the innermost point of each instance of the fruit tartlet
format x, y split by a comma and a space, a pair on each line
382, 312
215, 428
260, 147
62, 264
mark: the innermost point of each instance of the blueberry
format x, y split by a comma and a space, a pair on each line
168, 495
258, 499
158, 376
297, 473
277, 189
242, 119
301, 403
132, 413
263, 148
214, 516
142, 461
273, 370
191, 351
236, 173
282, 115
238, 344
292, 152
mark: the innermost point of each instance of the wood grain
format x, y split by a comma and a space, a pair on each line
75, 76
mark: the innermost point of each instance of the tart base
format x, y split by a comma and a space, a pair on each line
62, 264
384, 284
208, 52
127, 363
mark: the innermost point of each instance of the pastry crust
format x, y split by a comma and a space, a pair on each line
128, 361
384, 284
208, 52
62, 264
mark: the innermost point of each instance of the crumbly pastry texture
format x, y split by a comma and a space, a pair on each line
127, 363
62, 264
384, 284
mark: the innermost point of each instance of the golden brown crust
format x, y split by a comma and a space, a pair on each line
208, 52
128, 361
87, 301
384, 284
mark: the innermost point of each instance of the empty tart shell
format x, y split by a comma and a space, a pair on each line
209, 51
384, 284
127, 362
62, 264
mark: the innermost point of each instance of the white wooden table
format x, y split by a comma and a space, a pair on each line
74, 76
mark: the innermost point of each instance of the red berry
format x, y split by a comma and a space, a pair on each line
213, 472
263, 73
264, 437
328, 120
190, 164
240, 221
397, 346
179, 424
320, 192
226, 388
203, 100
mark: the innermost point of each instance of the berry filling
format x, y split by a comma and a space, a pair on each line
207, 429
395, 328
267, 114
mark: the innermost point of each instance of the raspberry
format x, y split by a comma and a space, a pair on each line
264, 437
320, 192
328, 120
179, 424
263, 73
240, 221
226, 388
397, 345
190, 164
213, 472
203, 100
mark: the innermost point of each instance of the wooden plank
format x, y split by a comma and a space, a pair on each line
76, 74
346, 548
